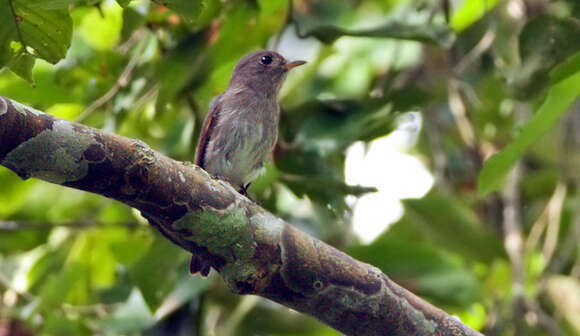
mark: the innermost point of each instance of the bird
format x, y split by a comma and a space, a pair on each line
241, 128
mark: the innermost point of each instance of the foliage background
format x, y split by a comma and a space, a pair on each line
495, 242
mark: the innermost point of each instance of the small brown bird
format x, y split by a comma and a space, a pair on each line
241, 128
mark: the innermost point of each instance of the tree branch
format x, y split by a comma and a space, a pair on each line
254, 251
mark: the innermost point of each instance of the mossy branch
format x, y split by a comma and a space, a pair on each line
254, 251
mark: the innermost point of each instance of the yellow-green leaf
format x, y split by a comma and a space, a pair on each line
560, 96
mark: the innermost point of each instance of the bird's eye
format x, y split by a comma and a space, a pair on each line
266, 60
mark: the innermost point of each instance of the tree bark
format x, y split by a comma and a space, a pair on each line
254, 251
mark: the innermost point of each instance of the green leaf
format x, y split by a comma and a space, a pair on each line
14, 193
38, 28
22, 65
53, 4
551, 39
129, 317
101, 29
179, 67
134, 316
333, 125
258, 321
545, 41
565, 69
123, 3
47, 31
66, 111
131, 249
189, 10
7, 34
20, 240
59, 288
560, 97
49, 263
469, 12
92, 248
45, 91
453, 226
436, 34
57, 324
154, 274
187, 288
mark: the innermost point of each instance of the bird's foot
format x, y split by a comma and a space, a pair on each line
199, 264
244, 189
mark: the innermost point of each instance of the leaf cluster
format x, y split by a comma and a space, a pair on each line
495, 83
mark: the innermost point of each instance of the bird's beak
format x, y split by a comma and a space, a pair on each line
293, 64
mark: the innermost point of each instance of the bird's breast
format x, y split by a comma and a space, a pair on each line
242, 140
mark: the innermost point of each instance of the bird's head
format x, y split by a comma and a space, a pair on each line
262, 70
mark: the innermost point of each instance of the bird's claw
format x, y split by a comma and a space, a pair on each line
244, 189
198, 264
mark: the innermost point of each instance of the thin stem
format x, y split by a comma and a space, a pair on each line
483, 45
121, 83
554, 214
5, 282
11, 226
513, 243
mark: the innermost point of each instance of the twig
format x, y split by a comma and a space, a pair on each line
446, 8
537, 230
121, 82
475, 53
10, 226
5, 282
131, 41
433, 133
154, 90
245, 305
575, 273
569, 246
549, 215
570, 143
513, 242
378, 90
554, 214
459, 113
100, 309
543, 319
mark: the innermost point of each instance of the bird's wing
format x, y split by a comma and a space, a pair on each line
208, 125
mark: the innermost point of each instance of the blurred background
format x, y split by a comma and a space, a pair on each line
383, 153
